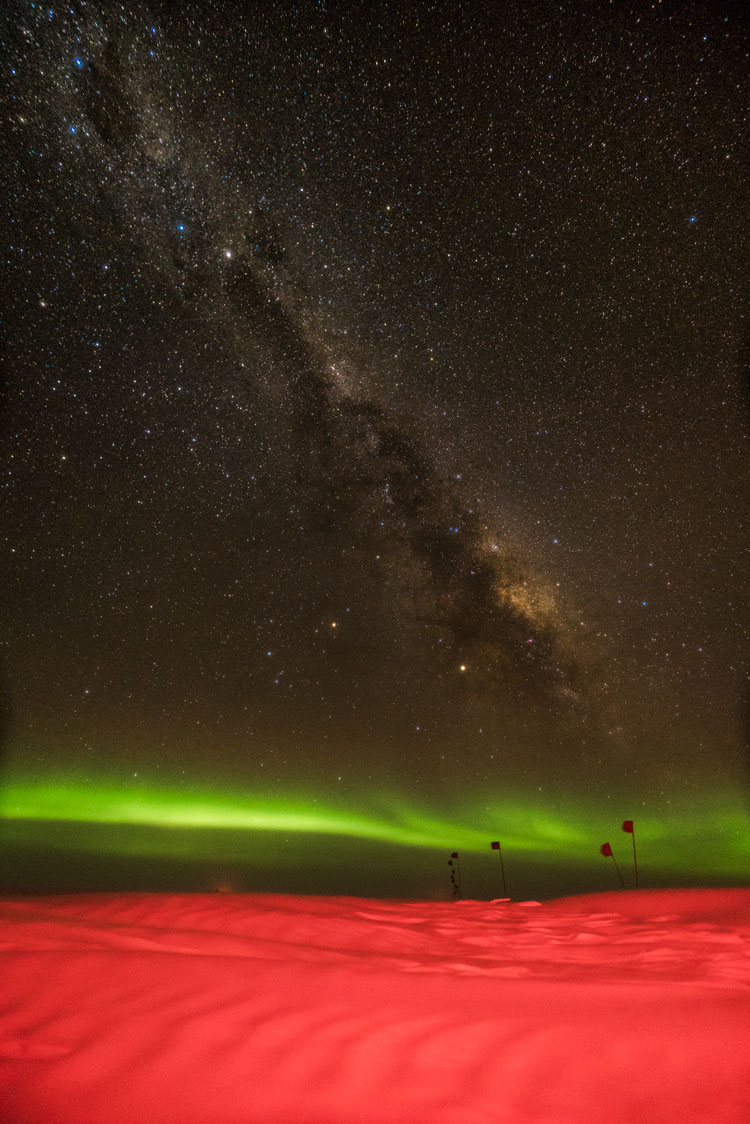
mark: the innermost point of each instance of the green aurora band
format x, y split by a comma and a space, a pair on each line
710, 839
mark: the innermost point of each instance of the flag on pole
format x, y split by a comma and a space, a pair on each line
606, 850
454, 854
495, 845
627, 825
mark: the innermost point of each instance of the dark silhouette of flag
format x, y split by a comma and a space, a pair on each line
454, 854
496, 847
627, 825
606, 850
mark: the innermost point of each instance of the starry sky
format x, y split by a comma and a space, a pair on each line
373, 453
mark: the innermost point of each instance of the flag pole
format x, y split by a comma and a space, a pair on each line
606, 850
454, 855
454, 884
627, 826
496, 847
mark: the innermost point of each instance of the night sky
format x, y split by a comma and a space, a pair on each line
373, 459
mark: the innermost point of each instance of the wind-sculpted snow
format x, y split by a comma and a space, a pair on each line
233, 1009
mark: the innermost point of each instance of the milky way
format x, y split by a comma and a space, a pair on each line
357, 466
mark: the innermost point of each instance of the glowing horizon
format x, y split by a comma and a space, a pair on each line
569, 832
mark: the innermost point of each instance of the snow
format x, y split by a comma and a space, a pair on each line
629, 1008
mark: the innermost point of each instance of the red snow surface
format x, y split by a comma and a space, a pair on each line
627, 1008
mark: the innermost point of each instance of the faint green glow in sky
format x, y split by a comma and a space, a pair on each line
713, 839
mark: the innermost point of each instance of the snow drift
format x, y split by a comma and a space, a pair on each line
629, 1008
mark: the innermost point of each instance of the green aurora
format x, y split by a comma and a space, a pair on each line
710, 842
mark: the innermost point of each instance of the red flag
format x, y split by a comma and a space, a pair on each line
454, 854
607, 850
627, 825
495, 846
